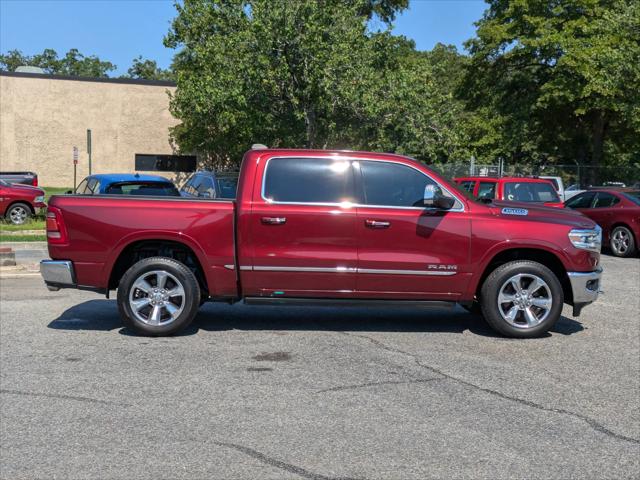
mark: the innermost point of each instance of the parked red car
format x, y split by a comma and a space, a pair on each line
19, 202
512, 189
617, 211
325, 227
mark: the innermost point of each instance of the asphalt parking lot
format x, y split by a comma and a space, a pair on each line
267, 392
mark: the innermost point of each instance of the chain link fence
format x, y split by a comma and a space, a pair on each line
580, 175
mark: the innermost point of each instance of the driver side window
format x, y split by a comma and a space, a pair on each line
395, 185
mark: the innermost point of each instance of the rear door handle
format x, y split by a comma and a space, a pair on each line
274, 220
377, 224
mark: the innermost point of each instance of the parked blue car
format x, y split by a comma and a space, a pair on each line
127, 184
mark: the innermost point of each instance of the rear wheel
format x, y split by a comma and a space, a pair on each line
158, 296
522, 299
622, 242
18, 213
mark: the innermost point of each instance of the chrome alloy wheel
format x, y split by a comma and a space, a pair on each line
620, 241
18, 215
157, 298
525, 300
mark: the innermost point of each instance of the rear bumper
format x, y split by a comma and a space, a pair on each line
58, 274
585, 287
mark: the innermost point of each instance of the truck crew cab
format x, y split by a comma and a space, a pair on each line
325, 227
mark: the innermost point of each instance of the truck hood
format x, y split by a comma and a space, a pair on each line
537, 213
27, 189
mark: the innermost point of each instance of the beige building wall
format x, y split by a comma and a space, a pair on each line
41, 119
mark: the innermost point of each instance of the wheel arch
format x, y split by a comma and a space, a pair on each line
539, 255
138, 249
23, 202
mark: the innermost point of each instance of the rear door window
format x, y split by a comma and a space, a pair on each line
487, 190
468, 185
530, 192
309, 180
206, 188
582, 200
604, 200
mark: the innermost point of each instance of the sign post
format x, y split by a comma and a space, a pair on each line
75, 166
89, 147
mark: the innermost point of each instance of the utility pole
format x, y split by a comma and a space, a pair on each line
75, 166
89, 147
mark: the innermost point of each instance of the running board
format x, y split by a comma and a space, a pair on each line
346, 302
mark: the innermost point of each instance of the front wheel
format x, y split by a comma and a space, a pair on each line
622, 242
522, 299
18, 213
158, 296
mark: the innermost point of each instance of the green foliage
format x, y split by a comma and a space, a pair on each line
148, 70
310, 73
561, 76
73, 63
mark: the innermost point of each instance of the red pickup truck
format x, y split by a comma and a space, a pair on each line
325, 227
514, 189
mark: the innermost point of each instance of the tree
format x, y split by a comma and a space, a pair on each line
561, 76
73, 63
148, 70
281, 73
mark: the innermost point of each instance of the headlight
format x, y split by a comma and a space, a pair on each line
587, 239
39, 199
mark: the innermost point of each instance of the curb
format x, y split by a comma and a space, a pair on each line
26, 245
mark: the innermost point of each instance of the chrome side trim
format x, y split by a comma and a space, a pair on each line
58, 272
405, 272
305, 269
347, 205
265, 268
230, 267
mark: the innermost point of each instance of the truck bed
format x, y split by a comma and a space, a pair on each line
100, 228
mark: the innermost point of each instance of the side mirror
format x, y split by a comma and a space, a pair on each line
68, 192
434, 199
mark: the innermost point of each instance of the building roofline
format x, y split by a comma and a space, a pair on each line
127, 81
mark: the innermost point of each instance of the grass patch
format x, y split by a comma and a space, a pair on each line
48, 191
22, 238
33, 224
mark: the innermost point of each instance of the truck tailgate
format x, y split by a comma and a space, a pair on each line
99, 228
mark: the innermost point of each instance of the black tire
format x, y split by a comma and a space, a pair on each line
618, 246
177, 274
499, 277
18, 213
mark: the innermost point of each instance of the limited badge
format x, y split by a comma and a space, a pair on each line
515, 211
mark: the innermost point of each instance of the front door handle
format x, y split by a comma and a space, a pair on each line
377, 224
274, 220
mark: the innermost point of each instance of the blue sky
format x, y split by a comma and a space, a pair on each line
120, 30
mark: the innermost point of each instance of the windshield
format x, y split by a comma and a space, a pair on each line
530, 192
633, 196
3, 183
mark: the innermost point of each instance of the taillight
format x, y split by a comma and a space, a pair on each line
34, 182
56, 230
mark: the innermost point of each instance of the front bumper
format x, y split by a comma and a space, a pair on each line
585, 287
58, 274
